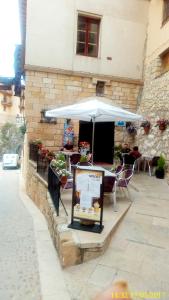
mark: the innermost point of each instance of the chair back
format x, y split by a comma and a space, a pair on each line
124, 178
75, 158
119, 169
128, 174
108, 183
128, 159
137, 164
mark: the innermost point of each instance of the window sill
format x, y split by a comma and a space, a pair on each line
81, 55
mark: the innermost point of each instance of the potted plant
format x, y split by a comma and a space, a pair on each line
59, 166
162, 124
84, 147
83, 160
34, 148
131, 128
146, 126
160, 170
63, 175
37, 142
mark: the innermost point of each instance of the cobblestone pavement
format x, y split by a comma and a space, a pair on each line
19, 275
138, 252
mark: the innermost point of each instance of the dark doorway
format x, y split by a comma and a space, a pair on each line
103, 142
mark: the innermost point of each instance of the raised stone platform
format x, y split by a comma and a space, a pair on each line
91, 245
74, 246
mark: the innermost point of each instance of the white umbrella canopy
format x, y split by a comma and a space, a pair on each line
92, 109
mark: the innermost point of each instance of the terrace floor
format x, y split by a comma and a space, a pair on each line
138, 251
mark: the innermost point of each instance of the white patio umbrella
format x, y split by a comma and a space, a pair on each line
92, 109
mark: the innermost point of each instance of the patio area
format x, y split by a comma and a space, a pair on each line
138, 251
94, 244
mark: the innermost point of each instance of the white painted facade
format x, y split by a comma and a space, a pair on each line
158, 33
52, 34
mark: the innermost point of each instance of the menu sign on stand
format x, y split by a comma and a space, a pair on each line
87, 199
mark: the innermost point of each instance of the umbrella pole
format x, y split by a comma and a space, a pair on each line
93, 120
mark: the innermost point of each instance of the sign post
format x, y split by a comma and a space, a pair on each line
87, 200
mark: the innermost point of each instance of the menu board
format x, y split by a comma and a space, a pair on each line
87, 202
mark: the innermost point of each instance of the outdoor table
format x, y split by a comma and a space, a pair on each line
99, 168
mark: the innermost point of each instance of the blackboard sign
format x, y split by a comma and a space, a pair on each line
87, 199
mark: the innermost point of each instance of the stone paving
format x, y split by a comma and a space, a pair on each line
139, 250
19, 275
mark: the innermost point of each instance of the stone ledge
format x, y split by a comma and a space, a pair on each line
83, 74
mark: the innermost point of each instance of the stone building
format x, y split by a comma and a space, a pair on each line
154, 104
76, 49
9, 104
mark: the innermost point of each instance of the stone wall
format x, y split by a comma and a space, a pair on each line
47, 90
63, 240
154, 105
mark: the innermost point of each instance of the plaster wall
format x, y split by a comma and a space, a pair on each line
158, 33
51, 36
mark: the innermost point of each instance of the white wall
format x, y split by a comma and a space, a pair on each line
158, 34
51, 35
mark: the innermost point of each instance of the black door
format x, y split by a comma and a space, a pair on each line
103, 141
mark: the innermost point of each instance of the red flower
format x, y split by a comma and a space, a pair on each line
162, 122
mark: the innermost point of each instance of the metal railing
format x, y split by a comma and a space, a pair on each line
42, 166
33, 152
54, 185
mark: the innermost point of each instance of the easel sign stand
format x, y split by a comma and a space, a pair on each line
87, 200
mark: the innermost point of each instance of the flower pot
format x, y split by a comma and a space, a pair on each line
84, 163
159, 173
162, 127
146, 130
63, 180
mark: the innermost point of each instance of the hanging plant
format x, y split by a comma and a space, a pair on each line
146, 126
131, 128
162, 124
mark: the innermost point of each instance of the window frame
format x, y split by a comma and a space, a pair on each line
165, 11
89, 20
164, 61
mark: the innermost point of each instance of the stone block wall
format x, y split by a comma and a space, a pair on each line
63, 240
48, 90
155, 105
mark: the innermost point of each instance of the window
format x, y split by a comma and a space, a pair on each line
100, 88
165, 62
165, 11
87, 36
